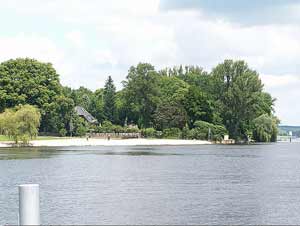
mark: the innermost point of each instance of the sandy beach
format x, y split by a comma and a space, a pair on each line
102, 142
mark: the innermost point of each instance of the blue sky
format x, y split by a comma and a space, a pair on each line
87, 40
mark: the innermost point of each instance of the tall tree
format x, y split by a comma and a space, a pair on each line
142, 93
109, 100
239, 92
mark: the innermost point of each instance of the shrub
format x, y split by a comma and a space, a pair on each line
149, 132
62, 132
172, 133
201, 131
131, 130
106, 127
218, 132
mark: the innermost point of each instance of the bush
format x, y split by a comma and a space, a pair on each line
197, 134
172, 133
131, 130
108, 127
149, 133
62, 132
201, 131
218, 132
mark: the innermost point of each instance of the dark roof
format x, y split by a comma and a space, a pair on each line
84, 113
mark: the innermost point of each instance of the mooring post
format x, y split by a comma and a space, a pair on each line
29, 204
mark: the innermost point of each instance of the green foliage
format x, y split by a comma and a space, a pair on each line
108, 127
82, 97
141, 94
81, 127
204, 131
174, 133
27, 81
97, 105
239, 95
181, 101
58, 116
265, 128
170, 115
198, 106
109, 100
20, 123
149, 133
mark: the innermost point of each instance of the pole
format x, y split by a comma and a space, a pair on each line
29, 204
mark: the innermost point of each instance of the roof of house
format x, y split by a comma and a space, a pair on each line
84, 113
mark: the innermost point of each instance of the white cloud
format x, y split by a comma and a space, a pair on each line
31, 45
97, 38
76, 38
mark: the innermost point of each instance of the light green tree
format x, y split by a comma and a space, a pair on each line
265, 128
20, 123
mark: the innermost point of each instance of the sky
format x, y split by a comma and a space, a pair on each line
87, 40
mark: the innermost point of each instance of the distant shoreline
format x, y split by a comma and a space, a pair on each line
104, 142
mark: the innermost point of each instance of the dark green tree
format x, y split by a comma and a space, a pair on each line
109, 100
58, 116
199, 106
170, 115
141, 94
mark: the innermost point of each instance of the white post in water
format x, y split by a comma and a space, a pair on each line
29, 204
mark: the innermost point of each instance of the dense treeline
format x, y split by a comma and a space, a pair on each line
185, 102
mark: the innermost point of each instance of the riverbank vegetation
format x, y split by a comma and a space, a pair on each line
20, 123
180, 102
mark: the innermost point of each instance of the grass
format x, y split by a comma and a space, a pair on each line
6, 138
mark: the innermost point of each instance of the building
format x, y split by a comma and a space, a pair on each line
86, 115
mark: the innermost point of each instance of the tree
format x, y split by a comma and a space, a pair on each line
58, 116
27, 81
239, 95
97, 105
141, 94
199, 106
170, 115
109, 100
82, 97
265, 128
20, 123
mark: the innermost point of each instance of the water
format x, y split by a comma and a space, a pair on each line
257, 184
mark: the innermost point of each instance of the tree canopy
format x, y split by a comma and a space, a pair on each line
230, 99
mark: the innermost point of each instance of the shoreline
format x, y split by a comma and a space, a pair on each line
105, 142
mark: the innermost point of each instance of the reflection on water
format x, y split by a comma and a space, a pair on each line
136, 153
256, 184
26, 153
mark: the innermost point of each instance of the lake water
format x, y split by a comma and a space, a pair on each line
206, 184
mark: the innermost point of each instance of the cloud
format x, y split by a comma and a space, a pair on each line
88, 40
241, 11
76, 38
286, 90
